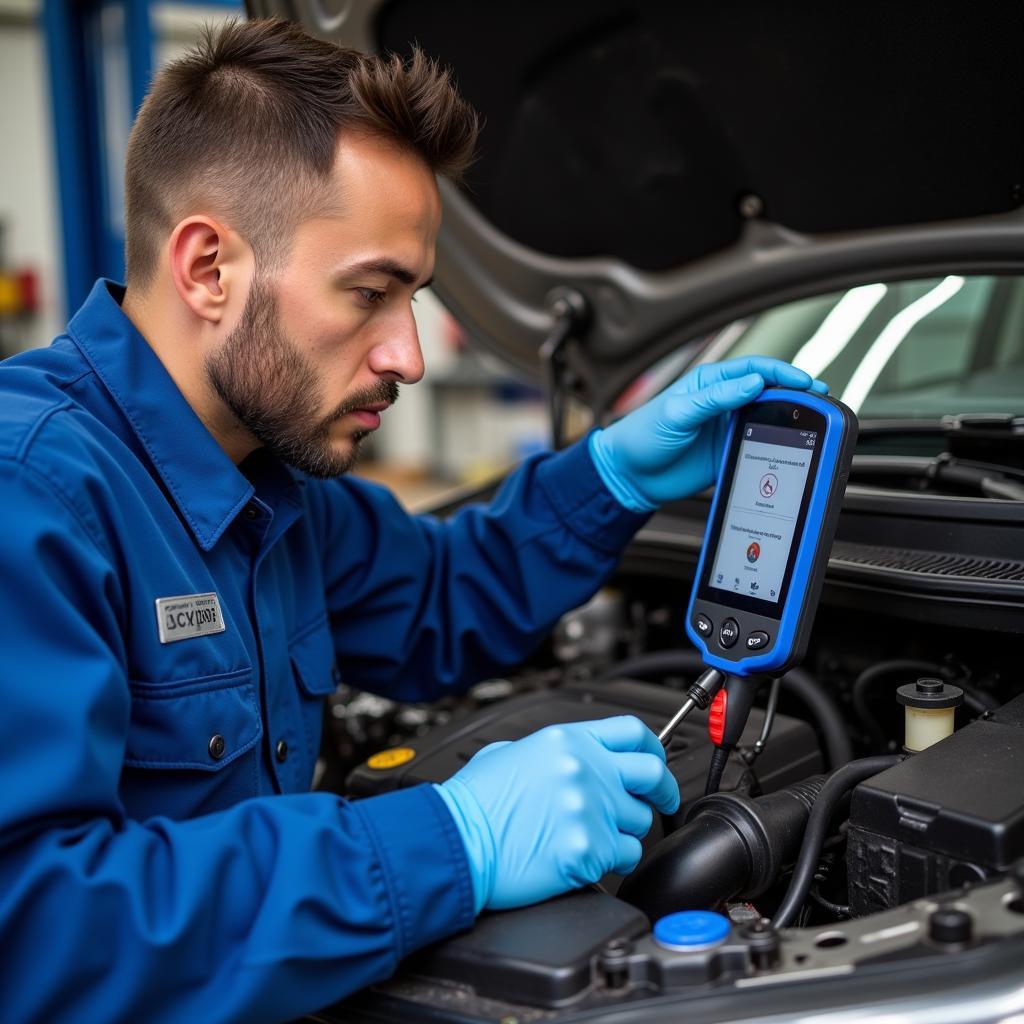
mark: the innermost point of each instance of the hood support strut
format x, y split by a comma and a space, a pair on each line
571, 314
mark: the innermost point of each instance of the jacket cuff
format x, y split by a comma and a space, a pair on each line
625, 493
584, 503
424, 864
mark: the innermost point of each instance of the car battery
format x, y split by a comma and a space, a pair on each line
950, 815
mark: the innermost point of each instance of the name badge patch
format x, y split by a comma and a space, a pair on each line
188, 616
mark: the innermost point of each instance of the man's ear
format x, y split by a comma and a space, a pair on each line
207, 263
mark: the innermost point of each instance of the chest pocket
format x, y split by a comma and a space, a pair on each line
192, 746
312, 668
202, 724
312, 658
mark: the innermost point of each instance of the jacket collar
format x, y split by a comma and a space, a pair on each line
207, 487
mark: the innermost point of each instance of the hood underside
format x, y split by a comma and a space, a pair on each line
674, 165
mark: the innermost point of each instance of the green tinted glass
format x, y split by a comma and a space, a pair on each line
904, 349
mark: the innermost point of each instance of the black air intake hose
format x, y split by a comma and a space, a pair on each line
731, 846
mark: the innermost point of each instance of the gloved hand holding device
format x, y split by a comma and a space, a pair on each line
559, 808
671, 447
569, 803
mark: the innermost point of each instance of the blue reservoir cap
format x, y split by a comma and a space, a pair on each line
690, 930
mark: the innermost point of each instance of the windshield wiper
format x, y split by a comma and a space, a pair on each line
991, 480
945, 471
982, 450
995, 426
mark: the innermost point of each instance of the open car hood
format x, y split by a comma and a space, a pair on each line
649, 171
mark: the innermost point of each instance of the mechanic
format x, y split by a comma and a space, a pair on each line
185, 572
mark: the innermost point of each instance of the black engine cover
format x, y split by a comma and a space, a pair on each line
791, 754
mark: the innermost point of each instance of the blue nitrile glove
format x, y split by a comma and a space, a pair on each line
671, 446
559, 808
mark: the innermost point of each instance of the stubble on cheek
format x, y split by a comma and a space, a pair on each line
273, 390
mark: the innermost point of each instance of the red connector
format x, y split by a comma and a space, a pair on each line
716, 717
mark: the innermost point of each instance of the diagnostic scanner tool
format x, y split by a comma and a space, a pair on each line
769, 534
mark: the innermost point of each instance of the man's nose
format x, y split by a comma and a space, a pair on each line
398, 355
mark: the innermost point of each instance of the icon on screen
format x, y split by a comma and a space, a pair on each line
769, 485
753, 552
772, 593
750, 430
718, 578
754, 586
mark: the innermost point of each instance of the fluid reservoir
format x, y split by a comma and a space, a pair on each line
929, 709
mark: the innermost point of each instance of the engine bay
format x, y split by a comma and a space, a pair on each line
919, 863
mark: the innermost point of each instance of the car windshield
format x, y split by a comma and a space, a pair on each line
917, 349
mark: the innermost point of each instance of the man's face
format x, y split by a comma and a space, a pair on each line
321, 348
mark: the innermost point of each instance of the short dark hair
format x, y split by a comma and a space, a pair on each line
248, 122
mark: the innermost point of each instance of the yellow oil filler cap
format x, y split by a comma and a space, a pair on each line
392, 758
929, 710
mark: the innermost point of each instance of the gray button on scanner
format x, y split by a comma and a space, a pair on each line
729, 633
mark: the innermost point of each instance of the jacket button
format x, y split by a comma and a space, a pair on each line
217, 747
251, 512
281, 751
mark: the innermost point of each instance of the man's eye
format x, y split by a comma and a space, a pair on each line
371, 295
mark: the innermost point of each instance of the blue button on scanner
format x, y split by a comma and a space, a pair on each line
691, 930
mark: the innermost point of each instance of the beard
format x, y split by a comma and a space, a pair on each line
274, 392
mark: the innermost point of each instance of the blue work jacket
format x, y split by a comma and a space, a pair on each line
161, 858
